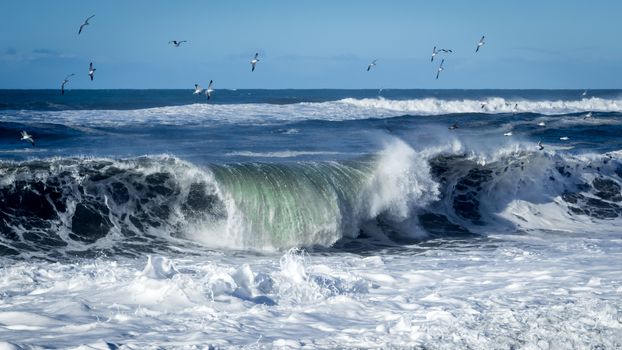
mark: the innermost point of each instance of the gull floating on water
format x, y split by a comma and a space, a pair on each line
372, 64
540, 147
588, 116
26, 137
209, 90
197, 89
564, 138
177, 43
65, 81
453, 126
91, 70
584, 93
480, 43
509, 133
541, 124
440, 69
254, 61
86, 23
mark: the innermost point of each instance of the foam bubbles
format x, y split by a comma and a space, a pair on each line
159, 267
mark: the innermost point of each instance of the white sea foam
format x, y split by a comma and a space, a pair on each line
531, 291
433, 106
345, 109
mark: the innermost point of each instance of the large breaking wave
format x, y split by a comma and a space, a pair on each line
78, 206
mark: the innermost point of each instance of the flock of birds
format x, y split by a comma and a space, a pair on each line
210, 89
198, 90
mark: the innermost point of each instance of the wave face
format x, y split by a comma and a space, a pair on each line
85, 206
77, 206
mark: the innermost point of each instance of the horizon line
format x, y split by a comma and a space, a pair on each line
303, 89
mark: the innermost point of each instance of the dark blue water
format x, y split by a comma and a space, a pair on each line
295, 167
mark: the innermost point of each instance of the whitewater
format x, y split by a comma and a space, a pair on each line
311, 219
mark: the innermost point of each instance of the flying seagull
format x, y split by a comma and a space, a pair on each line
541, 124
584, 93
484, 104
509, 133
197, 89
86, 23
209, 90
177, 43
372, 64
440, 68
65, 81
26, 137
91, 71
254, 61
564, 138
540, 147
480, 43
515, 109
436, 52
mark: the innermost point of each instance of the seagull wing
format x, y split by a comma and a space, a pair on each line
80, 30
211, 82
256, 55
87, 20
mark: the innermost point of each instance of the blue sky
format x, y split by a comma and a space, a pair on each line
311, 44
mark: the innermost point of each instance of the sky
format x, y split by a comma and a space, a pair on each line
311, 44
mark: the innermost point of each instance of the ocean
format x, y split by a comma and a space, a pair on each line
311, 219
